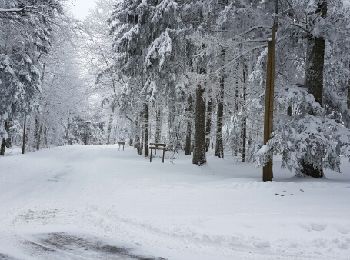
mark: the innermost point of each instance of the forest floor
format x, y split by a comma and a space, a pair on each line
95, 202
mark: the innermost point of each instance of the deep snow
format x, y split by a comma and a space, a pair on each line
95, 202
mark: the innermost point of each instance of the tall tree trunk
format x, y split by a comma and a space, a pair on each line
171, 116
69, 142
188, 144
208, 124
24, 136
158, 125
139, 136
38, 140
244, 119
199, 137
6, 142
348, 101
109, 128
236, 144
314, 67
3, 147
219, 146
316, 46
142, 140
136, 133
45, 137
36, 133
146, 124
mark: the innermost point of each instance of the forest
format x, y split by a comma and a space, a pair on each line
195, 75
226, 87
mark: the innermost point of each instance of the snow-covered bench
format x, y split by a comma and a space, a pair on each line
155, 147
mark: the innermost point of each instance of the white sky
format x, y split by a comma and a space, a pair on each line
80, 8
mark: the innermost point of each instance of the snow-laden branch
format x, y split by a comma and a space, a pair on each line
11, 10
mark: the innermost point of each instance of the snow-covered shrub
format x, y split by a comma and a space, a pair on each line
304, 133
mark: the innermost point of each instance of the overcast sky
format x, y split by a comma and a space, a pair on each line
80, 8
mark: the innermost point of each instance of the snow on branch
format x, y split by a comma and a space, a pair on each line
305, 131
11, 10
159, 49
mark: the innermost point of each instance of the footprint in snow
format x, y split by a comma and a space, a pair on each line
282, 195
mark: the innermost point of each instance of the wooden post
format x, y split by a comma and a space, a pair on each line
150, 158
163, 155
269, 98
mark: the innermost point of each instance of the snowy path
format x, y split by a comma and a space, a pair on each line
96, 202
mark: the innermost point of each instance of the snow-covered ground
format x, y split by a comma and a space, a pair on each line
96, 202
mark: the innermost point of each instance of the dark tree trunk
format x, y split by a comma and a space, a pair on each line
348, 101
244, 119
219, 146
5, 142
142, 139
188, 145
36, 133
314, 81
199, 137
45, 137
309, 169
24, 137
109, 128
146, 118
158, 126
139, 134
3, 147
208, 124
69, 142
314, 67
136, 133
236, 111
171, 116
38, 140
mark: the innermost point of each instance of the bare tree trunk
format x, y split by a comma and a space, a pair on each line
67, 132
45, 137
136, 133
24, 136
236, 147
188, 145
199, 137
158, 126
109, 128
38, 140
219, 146
314, 81
36, 133
3, 141
3, 147
139, 136
208, 124
146, 118
314, 67
348, 101
244, 119
171, 117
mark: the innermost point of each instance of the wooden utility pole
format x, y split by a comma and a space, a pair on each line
269, 94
